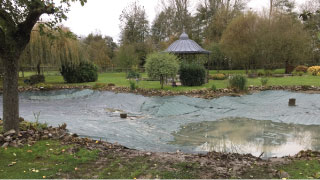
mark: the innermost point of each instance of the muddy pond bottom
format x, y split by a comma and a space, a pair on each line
261, 123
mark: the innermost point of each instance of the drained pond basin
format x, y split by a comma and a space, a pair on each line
258, 123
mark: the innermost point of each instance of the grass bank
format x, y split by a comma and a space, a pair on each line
119, 79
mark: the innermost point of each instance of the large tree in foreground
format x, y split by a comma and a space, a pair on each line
17, 19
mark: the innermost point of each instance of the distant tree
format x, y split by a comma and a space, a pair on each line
135, 30
215, 15
217, 58
161, 66
174, 18
17, 19
134, 24
311, 21
51, 49
126, 57
100, 50
239, 41
284, 42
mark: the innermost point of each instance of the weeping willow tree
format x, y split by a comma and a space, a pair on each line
51, 50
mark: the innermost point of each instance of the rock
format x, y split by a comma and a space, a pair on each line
13, 144
5, 145
8, 139
282, 174
1, 138
45, 137
9, 133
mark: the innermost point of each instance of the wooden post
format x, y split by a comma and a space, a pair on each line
292, 102
123, 116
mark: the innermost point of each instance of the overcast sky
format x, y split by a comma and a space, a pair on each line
103, 15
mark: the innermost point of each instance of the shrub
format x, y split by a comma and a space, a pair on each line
264, 81
260, 74
192, 74
314, 70
213, 87
268, 72
133, 85
133, 75
83, 72
161, 66
238, 82
301, 69
218, 77
35, 79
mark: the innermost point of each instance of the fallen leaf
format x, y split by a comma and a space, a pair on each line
29, 151
14, 154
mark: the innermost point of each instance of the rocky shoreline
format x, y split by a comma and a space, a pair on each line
201, 93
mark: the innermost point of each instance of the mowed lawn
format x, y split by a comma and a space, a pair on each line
119, 79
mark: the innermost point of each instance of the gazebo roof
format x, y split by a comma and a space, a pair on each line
186, 46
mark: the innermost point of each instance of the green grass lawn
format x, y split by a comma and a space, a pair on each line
45, 159
119, 79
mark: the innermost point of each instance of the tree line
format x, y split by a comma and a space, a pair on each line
239, 38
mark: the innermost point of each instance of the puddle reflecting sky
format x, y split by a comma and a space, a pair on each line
242, 135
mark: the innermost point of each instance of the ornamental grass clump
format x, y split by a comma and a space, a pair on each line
238, 82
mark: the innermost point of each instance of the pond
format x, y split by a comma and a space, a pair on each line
261, 123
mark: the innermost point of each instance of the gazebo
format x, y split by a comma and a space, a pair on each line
186, 47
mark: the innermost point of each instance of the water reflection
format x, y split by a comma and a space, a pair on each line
243, 135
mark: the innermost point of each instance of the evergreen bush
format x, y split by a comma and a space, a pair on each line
192, 74
79, 73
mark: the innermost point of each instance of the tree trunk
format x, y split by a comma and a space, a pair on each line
10, 93
38, 69
161, 81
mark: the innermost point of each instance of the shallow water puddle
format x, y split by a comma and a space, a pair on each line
243, 135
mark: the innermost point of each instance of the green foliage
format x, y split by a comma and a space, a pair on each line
99, 49
133, 85
213, 87
79, 73
126, 57
238, 82
264, 81
192, 74
36, 79
239, 40
161, 66
133, 75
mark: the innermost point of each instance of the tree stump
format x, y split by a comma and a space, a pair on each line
292, 102
123, 116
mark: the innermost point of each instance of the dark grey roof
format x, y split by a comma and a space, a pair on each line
186, 46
